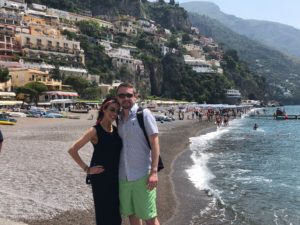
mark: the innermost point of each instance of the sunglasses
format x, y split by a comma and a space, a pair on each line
123, 95
114, 110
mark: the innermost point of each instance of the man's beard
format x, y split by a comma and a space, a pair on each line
127, 106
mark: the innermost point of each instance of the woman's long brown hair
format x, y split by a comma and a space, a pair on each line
107, 102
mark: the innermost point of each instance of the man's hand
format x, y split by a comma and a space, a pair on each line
152, 181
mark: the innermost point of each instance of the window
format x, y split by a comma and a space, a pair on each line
27, 40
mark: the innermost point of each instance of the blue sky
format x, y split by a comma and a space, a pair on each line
282, 11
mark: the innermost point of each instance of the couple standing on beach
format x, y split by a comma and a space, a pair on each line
123, 170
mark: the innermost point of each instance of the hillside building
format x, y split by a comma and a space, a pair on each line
147, 26
198, 65
105, 88
126, 26
22, 76
9, 48
38, 46
9, 21
73, 18
195, 51
122, 57
13, 5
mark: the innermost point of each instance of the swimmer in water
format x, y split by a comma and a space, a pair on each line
255, 126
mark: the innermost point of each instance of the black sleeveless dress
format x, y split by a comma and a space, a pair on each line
105, 186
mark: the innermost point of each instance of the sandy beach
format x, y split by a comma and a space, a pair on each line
43, 186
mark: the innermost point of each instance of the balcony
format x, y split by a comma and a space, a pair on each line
6, 48
7, 32
28, 45
52, 82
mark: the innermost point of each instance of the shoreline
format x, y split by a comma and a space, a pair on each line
173, 181
190, 200
171, 201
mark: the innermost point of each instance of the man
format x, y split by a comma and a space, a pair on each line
1, 140
138, 163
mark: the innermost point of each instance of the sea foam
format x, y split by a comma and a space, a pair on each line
199, 173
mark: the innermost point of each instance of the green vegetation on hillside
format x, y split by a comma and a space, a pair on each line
169, 16
181, 82
97, 62
252, 86
280, 71
168, 75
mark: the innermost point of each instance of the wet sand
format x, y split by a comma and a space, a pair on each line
173, 198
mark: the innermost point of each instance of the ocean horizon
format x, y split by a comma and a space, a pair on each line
251, 175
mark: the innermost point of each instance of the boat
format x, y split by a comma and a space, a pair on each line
5, 120
233, 96
79, 110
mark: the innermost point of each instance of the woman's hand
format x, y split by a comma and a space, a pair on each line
95, 170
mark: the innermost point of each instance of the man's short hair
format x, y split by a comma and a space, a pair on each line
126, 85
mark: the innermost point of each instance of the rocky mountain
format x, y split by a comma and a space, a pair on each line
96, 7
279, 69
169, 76
171, 18
275, 35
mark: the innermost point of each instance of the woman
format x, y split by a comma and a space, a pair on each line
104, 166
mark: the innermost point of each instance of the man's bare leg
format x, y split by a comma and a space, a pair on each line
153, 221
134, 220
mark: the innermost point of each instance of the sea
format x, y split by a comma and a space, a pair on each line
252, 176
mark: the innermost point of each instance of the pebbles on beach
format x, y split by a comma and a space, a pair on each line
39, 181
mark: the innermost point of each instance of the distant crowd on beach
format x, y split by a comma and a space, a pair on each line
220, 116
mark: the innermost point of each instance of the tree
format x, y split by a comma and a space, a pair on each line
233, 54
91, 93
55, 73
79, 84
172, 42
70, 35
23, 92
172, 2
125, 75
186, 39
4, 75
112, 93
90, 28
35, 89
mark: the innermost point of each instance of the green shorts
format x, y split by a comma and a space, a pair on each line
136, 199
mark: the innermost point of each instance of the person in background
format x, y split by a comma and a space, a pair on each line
138, 163
255, 126
1, 140
104, 167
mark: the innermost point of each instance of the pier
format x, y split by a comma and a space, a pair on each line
287, 117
